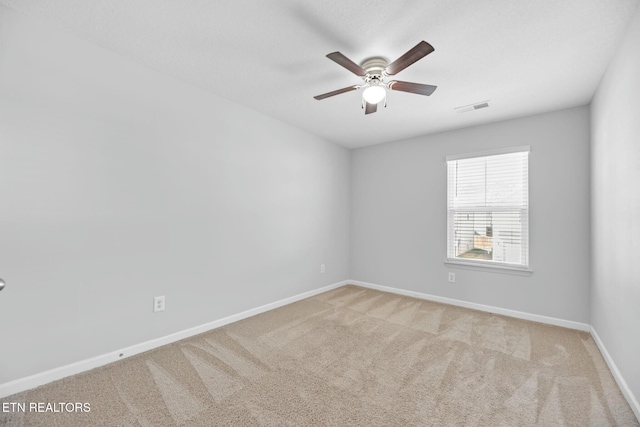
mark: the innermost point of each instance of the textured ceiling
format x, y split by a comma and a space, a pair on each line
525, 57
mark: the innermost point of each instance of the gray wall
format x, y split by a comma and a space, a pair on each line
398, 215
615, 144
118, 184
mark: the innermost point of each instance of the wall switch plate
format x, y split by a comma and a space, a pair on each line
158, 303
322, 269
452, 277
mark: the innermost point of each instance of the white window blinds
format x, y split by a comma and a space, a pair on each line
488, 208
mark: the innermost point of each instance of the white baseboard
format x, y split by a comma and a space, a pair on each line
55, 374
490, 309
624, 387
46, 377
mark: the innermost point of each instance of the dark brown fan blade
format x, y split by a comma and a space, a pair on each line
340, 59
370, 108
418, 88
335, 92
418, 52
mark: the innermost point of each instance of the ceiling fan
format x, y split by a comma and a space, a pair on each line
374, 72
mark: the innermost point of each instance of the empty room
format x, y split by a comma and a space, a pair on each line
309, 213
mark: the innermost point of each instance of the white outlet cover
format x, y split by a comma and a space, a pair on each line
158, 304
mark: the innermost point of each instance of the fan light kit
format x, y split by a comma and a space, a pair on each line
375, 70
374, 94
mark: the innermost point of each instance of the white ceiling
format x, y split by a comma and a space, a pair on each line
525, 57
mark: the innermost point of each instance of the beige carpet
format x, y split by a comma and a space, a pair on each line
351, 356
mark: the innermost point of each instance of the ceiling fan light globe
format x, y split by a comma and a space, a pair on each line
374, 94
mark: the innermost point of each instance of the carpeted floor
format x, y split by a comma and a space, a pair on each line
351, 356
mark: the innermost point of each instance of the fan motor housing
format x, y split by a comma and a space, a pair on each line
375, 65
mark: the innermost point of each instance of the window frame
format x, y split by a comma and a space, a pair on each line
486, 265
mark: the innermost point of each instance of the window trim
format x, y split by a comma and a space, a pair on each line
492, 266
507, 150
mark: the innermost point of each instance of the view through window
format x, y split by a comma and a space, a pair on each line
488, 207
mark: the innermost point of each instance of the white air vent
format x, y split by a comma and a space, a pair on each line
471, 107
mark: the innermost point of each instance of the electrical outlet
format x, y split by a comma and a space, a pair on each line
158, 303
322, 269
452, 277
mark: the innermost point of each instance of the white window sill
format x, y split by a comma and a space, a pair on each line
493, 268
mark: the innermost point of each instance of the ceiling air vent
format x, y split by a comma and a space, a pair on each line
471, 107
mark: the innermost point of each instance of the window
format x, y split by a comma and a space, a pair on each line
488, 208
